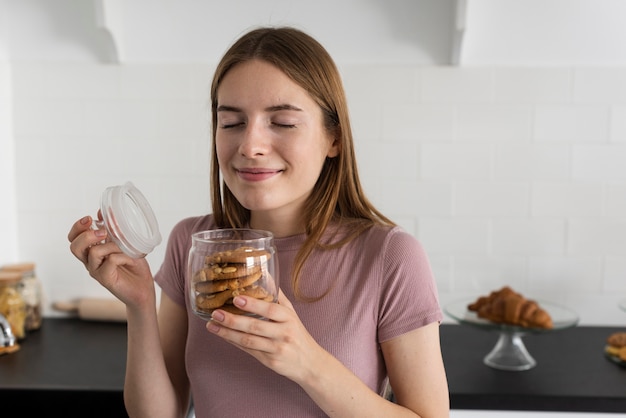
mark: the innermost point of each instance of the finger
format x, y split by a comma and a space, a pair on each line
83, 243
97, 254
79, 227
267, 310
245, 332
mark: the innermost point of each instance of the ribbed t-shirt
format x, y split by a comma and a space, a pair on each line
381, 286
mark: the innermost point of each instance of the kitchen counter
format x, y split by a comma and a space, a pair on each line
572, 372
77, 368
69, 366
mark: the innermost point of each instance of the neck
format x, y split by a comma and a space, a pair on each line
281, 225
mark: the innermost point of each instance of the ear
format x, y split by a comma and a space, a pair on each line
333, 151
335, 146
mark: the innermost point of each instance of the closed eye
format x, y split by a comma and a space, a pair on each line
283, 125
231, 125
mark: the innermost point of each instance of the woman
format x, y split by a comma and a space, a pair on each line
358, 305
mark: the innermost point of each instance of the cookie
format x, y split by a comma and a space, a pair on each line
216, 300
617, 339
237, 256
214, 286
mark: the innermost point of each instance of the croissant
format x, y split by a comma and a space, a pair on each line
506, 306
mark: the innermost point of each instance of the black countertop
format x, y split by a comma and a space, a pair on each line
77, 368
69, 366
572, 372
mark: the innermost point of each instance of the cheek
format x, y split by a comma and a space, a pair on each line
223, 151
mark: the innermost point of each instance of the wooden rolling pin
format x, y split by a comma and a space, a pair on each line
94, 309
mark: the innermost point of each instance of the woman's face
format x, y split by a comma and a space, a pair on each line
270, 138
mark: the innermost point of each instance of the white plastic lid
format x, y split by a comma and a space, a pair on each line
129, 220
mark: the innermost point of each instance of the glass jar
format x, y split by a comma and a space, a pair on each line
224, 263
32, 293
129, 220
12, 305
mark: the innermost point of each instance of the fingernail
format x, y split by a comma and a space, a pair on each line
100, 233
211, 326
239, 301
85, 220
218, 316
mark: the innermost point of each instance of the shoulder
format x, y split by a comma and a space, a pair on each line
183, 230
392, 240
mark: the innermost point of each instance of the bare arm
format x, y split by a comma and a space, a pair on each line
156, 382
155, 385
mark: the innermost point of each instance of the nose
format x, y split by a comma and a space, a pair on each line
255, 140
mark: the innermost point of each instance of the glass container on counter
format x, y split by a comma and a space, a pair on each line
12, 305
31, 291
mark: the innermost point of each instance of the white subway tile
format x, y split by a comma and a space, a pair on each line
453, 236
523, 236
399, 161
456, 161
594, 309
137, 119
615, 275
32, 156
532, 162
102, 118
556, 273
418, 122
416, 198
597, 236
491, 199
599, 163
180, 119
376, 84
457, 85
369, 165
618, 124
533, 85
81, 80
567, 199
600, 85
483, 273
616, 200
28, 81
48, 117
159, 81
571, 123
441, 266
366, 122
494, 123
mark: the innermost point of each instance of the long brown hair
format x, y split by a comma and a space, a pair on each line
337, 195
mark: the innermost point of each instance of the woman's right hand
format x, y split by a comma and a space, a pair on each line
129, 279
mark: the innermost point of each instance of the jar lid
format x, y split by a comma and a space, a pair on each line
10, 277
20, 267
130, 220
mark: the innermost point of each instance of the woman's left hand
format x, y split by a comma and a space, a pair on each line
281, 342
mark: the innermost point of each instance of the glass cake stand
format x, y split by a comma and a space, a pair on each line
622, 305
510, 353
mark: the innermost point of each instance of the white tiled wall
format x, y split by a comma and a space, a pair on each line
507, 175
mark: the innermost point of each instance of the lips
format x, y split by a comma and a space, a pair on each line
257, 174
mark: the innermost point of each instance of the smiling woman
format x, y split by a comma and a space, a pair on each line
283, 162
271, 131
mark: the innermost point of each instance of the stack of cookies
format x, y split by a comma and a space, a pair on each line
616, 345
226, 274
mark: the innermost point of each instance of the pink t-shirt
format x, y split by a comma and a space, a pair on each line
381, 287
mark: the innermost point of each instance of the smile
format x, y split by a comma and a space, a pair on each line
257, 174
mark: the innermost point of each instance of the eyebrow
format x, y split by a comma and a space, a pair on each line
276, 108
